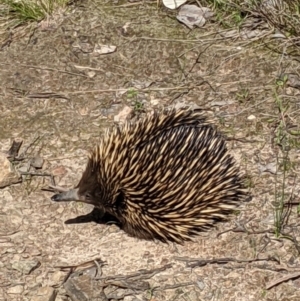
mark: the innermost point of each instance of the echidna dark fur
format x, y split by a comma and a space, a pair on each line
167, 176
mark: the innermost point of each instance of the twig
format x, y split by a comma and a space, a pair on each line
131, 4
10, 233
125, 90
242, 229
172, 286
178, 40
246, 109
242, 140
46, 95
47, 69
55, 188
22, 155
282, 279
28, 173
80, 267
146, 274
191, 263
35, 174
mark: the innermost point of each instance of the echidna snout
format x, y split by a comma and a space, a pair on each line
167, 177
66, 196
74, 195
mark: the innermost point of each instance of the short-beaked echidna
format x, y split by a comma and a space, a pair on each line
167, 176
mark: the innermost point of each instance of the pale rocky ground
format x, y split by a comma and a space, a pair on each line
231, 80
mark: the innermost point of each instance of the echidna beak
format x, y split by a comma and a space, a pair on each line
66, 196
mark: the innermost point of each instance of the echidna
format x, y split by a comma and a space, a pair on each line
166, 177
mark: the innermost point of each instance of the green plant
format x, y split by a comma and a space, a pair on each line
243, 95
19, 12
281, 197
131, 93
284, 164
138, 106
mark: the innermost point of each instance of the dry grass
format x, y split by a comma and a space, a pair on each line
14, 13
282, 15
281, 18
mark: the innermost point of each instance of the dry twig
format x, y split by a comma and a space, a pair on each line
282, 279
192, 263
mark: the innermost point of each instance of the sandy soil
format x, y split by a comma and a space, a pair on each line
231, 79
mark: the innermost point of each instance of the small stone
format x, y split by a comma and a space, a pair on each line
104, 49
59, 171
26, 266
192, 15
74, 139
60, 210
16, 257
56, 278
82, 288
155, 101
123, 115
83, 111
84, 136
251, 117
45, 293
18, 289
7, 196
10, 250
91, 74
200, 284
24, 167
37, 162
8, 175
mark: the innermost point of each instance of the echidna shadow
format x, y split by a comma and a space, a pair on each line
167, 176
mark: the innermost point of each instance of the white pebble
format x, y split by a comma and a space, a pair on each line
251, 117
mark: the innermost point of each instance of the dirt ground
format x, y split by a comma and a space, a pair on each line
58, 95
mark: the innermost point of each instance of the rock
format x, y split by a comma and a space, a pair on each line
91, 74
59, 171
8, 175
17, 289
37, 162
24, 167
79, 290
155, 101
192, 15
123, 115
104, 49
293, 80
7, 196
56, 278
26, 266
83, 287
45, 293
251, 117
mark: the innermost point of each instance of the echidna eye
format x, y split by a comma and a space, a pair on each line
88, 195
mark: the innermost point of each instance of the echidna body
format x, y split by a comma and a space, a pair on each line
167, 176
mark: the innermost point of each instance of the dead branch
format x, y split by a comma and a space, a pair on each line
282, 279
191, 263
